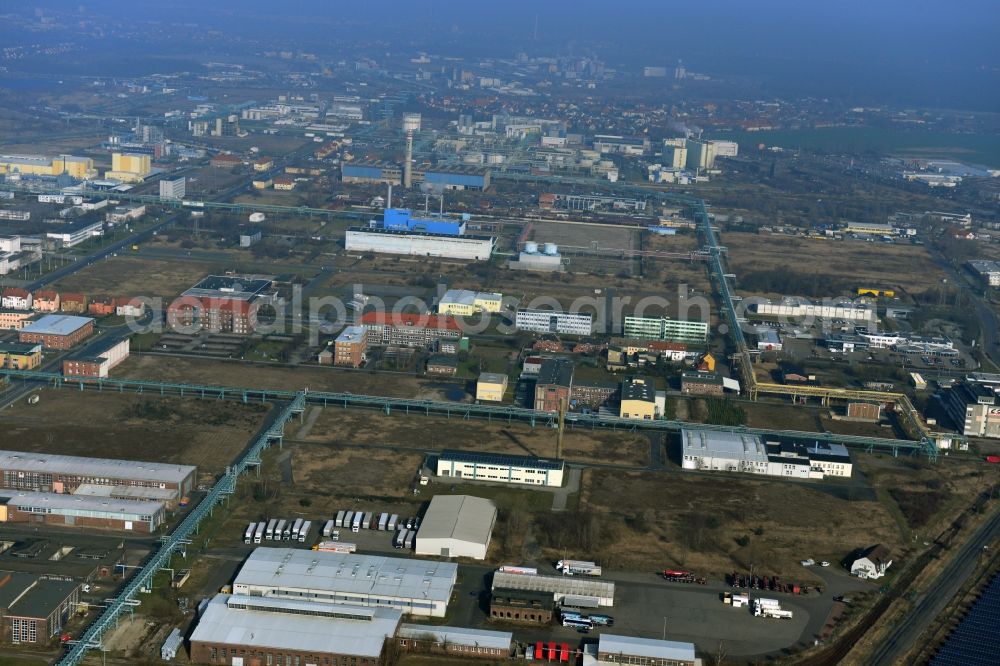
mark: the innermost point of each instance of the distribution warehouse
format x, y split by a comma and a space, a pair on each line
412, 586
457, 526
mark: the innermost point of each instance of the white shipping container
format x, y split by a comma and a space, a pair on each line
248, 534
383, 521
296, 526
393, 520
340, 518
328, 528
279, 529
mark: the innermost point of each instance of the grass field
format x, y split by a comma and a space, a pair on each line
842, 266
135, 276
205, 433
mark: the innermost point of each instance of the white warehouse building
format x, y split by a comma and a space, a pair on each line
419, 244
500, 468
457, 526
797, 307
554, 321
412, 586
731, 451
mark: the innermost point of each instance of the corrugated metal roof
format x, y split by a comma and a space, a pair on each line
571, 585
460, 517
458, 635
403, 578
94, 467
646, 647
260, 622
56, 325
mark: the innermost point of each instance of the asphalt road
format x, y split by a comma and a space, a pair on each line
930, 604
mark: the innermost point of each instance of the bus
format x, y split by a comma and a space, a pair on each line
248, 535
577, 623
258, 534
602, 620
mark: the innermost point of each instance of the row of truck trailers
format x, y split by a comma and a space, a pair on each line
298, 530
278, 530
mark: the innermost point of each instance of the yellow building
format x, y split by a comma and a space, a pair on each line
16, 356
39, 165
465, 303
638, 399
491, 387
129, 167
262, 183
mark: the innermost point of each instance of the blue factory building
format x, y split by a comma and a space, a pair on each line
401, 219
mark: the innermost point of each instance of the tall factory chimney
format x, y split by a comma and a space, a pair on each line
408, 164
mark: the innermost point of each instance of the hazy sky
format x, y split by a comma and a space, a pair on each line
900, 51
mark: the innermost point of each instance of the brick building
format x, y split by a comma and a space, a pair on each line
702, 383
57, 331
350, 346
102, 306
100, 512
521, 606
408, 329
33, 609
97, 359
554, 385
220, 304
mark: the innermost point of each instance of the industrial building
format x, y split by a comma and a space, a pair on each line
491, 386
530, 259
415, 243
702, 383
554, 385
664, 329
80, 510
974, 409
457, 526
173, 189
126, 479
409, 329
122, 214
613, 650
223, 304
98, 358
986, 270
767, 339
501, 468
34, 609
567, 590
37, 165
17, 356
554, 321
455, 641
799, 307
390, 173
417, 587
732, 451
75, 233
521, 606
129, 167
57, 331
286, 631
638, 399
465, 303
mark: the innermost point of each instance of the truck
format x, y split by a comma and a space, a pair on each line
737, 600
304, 531
383, 520
400, 539
328, 528
348, 520
269, 532
335, 547
410, 536
258, 534
393, 520
771, 611
358, 520
578, 568
248, 534
602, 620
525, 571
279, 530
339, 520
286, 531
296, 526
367, 523
678, 576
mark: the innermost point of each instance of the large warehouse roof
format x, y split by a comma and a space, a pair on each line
398, 577
458, 635
723, 444
646, 647
123, 509
572, 585
94, 467
56, 324
458, 517
305, 626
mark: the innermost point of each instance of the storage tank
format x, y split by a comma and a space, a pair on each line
531, 247
551, 249
257, 217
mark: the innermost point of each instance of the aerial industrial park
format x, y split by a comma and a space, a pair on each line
327, 343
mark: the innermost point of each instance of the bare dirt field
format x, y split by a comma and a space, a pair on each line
135, 276
126, 426
434, 433
586, 235
222, 373
335, 471
840, 266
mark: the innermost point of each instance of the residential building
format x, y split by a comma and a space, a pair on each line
457, 526
34, 609
225, 304
554, 385
501, 468
16, 356
15, 298
266, 630
45, 300
491, 387
638, 399
465, 303
102, 306
57, 331
173, 189
283, 184
442, 364
872, 562
262, 164
97, 359
662, 328
73, 303
73, 234
455, 641
15, 320
130, 307
81, 510
613, 650
974, 408
702, 383
409, 329
225, 161
123, 214
554, 321
262, 183
350, 346
416, 587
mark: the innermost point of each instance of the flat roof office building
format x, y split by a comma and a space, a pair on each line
501, 468
416, 587
554, 321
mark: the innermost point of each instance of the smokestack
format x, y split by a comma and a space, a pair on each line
388, 204
408, 165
